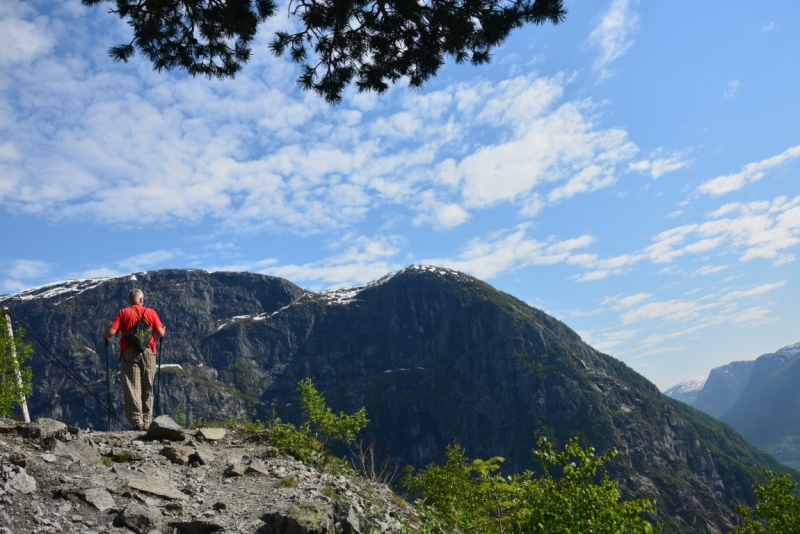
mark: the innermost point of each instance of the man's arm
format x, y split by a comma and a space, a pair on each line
110, 332
159, 331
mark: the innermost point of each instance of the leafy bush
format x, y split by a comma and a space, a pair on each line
11, 392
776, 510
464, 496
307, 443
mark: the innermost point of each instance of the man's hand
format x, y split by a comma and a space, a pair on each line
160, 331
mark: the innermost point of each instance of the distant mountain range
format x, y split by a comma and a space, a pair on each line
433, 354
760, 398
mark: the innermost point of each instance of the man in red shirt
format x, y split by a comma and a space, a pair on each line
138, 368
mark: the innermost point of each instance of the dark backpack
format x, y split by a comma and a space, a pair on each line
139, 334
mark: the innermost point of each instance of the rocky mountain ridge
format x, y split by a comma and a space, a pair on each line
435, 356
55, 478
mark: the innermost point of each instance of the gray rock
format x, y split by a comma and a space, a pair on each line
160, 488
178, 454
22, 483
256, 466
236, 469
211, 434
304, 518
197, 526
49, 458
347, 517
139, 518
43, 429
99, 498
163, 427
203, 456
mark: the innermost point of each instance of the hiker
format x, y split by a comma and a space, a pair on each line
138, 366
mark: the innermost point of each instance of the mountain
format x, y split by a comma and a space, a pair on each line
767, 412
723, 387
434, 355
687, 391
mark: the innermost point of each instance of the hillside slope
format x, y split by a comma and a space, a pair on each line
434, 355
768, 410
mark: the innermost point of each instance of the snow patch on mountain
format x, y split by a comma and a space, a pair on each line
56, 289
688, 386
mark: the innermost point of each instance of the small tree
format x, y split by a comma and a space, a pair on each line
12, 392
776, 510
469, 497
307, 443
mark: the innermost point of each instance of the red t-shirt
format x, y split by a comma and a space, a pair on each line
126, 319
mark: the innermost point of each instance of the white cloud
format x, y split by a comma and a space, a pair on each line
612, 35
710, 269
23, 36
85, 133
133, 264
758, 290
659, 164
20, 273
507, 251
26, 269
733, 88
751, 172
361, 260
768, 27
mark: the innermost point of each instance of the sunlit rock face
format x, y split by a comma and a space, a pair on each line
434, 355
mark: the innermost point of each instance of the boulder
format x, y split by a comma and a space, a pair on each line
236, 469
178, 454
346, 516
139, 518
211, 434
22, 482
99, 498
43, 429
163, 427
202, 456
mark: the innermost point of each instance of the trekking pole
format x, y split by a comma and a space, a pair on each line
158, 371
108, 387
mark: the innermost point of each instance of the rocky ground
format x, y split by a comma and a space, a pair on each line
55, 478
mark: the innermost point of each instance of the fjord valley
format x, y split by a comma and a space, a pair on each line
434, 355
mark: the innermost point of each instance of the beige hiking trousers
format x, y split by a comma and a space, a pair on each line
138, 371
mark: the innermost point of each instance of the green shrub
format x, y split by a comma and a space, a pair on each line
776, 510
11, 392
464, 496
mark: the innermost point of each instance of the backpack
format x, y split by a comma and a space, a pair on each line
139, 334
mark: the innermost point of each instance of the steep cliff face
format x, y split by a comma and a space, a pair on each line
433, 354
723, 387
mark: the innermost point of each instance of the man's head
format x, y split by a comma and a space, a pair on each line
135, 297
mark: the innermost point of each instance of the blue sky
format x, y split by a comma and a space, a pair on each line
633, 171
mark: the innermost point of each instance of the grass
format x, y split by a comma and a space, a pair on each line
329, 493
288, 482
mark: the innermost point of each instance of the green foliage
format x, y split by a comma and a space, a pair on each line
307, 443
178, 414
464, 496
776, 510
373, 43
340, 427
11, 393
122, 456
